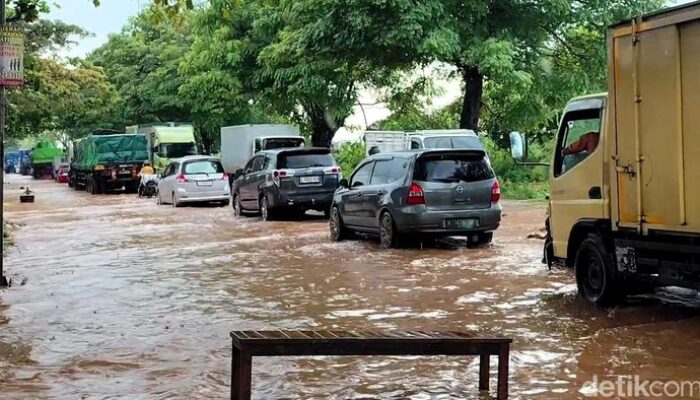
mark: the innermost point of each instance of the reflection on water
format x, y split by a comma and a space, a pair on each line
125, 298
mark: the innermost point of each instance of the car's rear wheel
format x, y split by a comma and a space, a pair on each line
387, 232
338, 230
483, 238
237, 207
265, 209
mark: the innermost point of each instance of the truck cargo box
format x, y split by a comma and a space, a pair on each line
109, 149
654, 125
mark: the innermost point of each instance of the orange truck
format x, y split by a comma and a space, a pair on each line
624, 208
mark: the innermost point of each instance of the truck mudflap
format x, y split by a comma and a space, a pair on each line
665, 261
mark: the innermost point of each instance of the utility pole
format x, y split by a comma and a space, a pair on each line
3, 101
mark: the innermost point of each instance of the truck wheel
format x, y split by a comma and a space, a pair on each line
595, 273
91, 186
338, 230
387, 232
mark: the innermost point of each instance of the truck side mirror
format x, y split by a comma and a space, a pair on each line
518, 146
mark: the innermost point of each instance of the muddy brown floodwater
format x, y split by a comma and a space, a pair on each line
126, 299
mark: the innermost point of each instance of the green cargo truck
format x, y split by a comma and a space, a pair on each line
42, 158
107, 160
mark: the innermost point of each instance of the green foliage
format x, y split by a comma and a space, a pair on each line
348, 155
65, 99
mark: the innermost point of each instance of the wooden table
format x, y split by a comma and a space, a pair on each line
247, 344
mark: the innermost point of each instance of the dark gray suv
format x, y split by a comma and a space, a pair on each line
286, 181
423, 192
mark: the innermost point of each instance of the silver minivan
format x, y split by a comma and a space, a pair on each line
422, 192
194, 179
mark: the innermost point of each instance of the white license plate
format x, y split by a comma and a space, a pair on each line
204, 183
310, 179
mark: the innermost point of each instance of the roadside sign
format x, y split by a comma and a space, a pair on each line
11, 56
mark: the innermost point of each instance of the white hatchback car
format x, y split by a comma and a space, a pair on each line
194, 179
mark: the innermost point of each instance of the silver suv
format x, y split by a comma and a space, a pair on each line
423, 192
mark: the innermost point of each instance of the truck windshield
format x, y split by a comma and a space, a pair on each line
304, 160
281, 143
204, 167
453, 142
177, 150
452, 168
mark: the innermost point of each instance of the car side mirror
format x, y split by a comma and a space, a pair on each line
518, 146
238, 172
343, 183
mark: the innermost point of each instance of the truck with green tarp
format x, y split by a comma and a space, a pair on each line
43, 156
107, 160
167, 141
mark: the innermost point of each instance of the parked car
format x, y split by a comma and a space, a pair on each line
62, 174
193, 179
287, 181
421, 192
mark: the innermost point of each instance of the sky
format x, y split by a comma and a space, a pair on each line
108, 18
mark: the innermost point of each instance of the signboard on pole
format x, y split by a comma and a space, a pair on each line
11, 56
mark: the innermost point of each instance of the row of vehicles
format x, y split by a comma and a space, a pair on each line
395, 193
43, 160
443, 186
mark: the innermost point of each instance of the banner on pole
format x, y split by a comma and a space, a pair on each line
11, 56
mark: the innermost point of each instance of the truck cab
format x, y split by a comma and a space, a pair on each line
167, 142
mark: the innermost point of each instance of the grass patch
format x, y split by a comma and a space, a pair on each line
524, 190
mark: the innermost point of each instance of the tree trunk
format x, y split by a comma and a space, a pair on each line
473, 92
323, 127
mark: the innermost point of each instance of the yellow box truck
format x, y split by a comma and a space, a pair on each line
624, 206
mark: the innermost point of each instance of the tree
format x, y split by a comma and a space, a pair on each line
66, 98
142, 63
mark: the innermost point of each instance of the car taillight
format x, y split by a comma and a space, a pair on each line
336, 170
181, 178
276, 175
415, 195
495, 192
224, 176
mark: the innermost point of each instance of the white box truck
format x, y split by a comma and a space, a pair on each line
239, 143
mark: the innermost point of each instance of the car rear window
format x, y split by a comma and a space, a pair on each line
452, 168
204, 167
304, 160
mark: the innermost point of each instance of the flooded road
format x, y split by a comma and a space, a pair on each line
127, 299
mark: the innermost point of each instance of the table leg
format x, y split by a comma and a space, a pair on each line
241, 375
484, 367
503, 358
